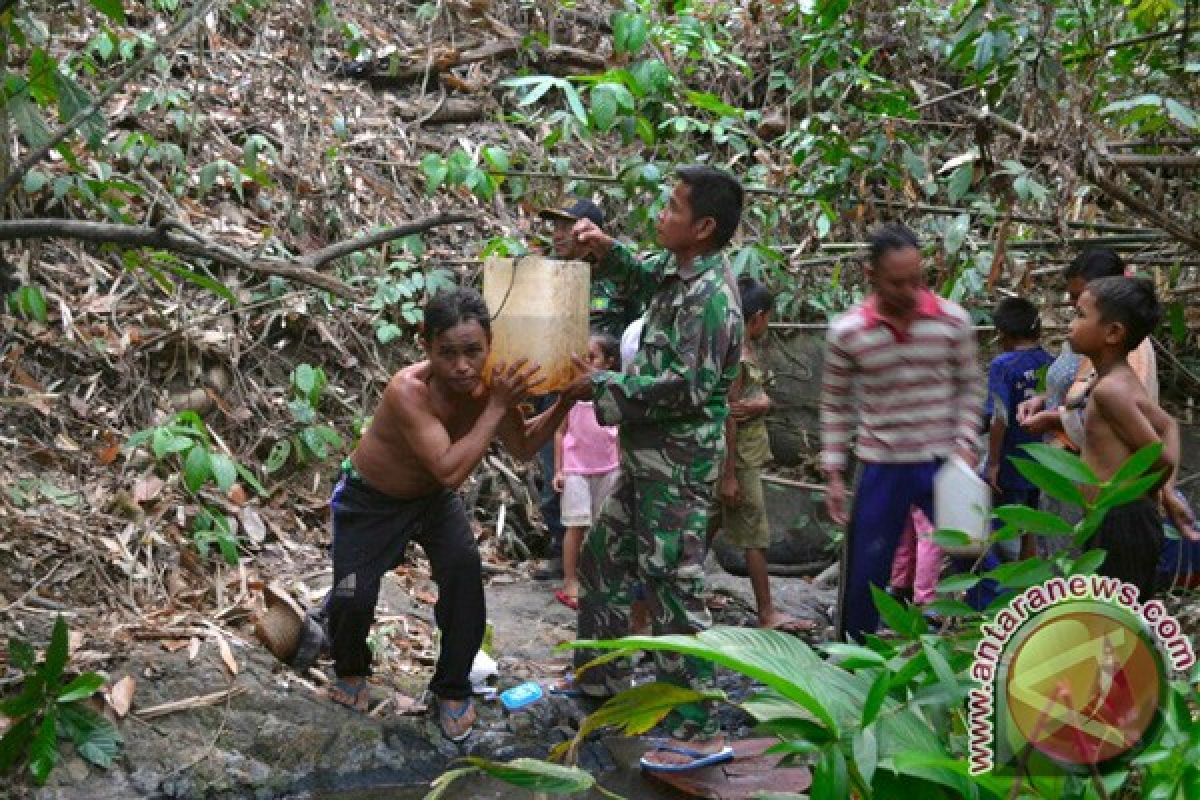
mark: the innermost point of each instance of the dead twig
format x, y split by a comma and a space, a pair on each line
189, 703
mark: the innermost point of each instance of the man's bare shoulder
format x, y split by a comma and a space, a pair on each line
409, 387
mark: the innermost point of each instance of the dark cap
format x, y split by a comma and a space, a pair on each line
583, 209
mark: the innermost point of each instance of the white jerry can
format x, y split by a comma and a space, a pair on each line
962, 501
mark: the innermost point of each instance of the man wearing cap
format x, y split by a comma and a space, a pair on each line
608, 314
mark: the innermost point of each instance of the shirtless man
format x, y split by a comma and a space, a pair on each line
431, 429
1113, 316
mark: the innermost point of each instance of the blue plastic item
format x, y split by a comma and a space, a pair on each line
521, 696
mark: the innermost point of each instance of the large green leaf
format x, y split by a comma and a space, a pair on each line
1049, 481
536, 775
12, 744
907, 622
197, 468
1064, 463
639, 709
1028, 519
43, 749
28, 120
1113, 496
72, 100
1137, 464
111, 9
95, 738
1021, 574
21, 654
31, 698
56, 654
224, 470
777, 660
831, 781
81, 688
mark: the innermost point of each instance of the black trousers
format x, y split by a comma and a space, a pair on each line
370, 532
1132, 535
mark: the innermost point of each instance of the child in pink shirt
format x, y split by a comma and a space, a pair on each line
585, 468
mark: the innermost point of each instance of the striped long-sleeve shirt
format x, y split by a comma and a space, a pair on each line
915, 394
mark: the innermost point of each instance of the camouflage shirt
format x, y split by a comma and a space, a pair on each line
672, 403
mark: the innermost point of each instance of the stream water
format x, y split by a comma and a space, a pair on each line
627, 783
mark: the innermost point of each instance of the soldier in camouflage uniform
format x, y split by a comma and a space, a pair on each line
671, 409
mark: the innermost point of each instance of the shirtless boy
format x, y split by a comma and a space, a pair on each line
431, 429
1113, 316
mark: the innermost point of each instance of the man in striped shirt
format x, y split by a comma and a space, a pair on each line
902, 366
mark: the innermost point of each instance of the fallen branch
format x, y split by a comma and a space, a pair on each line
198, 12
189, 703
177, 237
1160, 219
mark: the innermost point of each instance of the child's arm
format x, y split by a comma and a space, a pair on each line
996, 434
559, 435
729, 491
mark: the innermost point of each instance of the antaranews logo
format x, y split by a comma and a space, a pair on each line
1071, 677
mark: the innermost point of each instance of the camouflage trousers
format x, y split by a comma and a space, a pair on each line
649, 539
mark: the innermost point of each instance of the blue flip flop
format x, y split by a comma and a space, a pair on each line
699, 758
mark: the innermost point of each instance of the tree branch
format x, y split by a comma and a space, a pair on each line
31, 160
368, 240
175, 236
1167, 222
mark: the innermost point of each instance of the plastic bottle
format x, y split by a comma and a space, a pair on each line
962, 502
539, 309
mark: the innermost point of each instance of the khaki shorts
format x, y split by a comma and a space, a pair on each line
746, 525
583, 496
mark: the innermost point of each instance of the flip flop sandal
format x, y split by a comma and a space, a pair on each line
794, 626
446, 715
356, 697
699, 758
566, 599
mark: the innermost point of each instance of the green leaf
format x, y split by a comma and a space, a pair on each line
1188, 119
947, 538
1176, 318
866, 753
1066, 464
1137, 464
111, 9
28, 120
304, 378
1113, 496
31, 698
181, 270
43, 749
21, 654
536, 775
1049, 481
904, 621
434, 168
957, 583
960, 182
1087, 563
95, 738
81, 688
853, 656
13, 743
710, 102
252, 480
875, 698
629, 32
197, 468
830, 778
639, 709
497, 158
35, 181
956, 233
315, 443
1028, 519
604, 109
574, 103
224, 470
1021, 574
278, 456
72, 100
56, 654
